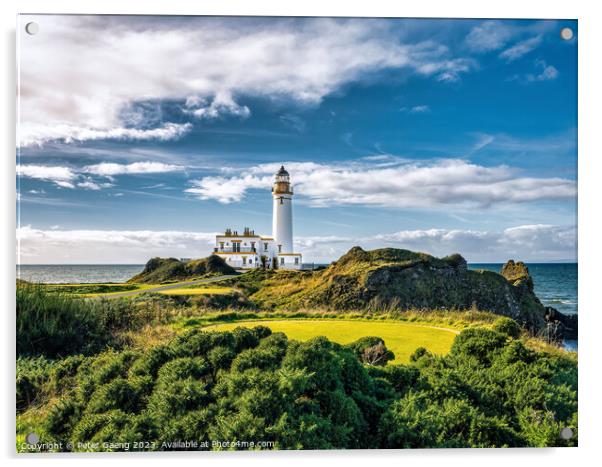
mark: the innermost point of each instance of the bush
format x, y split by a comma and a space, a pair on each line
32, 374
249, 385
507, 326
479, 343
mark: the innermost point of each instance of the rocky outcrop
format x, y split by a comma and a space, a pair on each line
159, 270
392, 278
560, 326
518, 274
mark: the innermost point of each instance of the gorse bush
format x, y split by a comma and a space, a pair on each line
250, 385
507, 326
32, 374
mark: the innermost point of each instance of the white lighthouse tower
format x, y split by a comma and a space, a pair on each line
282, 216
282, 221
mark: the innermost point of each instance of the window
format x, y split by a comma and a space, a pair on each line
250, 261
221, 245
296, 260
236, 247
279, 248
244, 260
265, 247
252, 246
281, 260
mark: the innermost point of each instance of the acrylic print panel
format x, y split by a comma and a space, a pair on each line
295, 233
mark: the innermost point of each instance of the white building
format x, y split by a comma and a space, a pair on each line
249, 250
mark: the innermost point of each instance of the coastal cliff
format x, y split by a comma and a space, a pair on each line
392, 278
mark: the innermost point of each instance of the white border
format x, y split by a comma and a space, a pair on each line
590, 38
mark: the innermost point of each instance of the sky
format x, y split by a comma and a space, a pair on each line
145, 136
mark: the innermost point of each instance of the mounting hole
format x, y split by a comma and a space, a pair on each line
566, 433
32, 28
566, 34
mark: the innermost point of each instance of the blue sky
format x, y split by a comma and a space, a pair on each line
432, 135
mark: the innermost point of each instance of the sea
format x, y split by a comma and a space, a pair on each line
77, 273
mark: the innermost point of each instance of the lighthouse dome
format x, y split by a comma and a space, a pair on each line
282, 171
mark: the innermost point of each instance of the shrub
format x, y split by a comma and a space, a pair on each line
507, 326
32, 374
489, 391
478, 342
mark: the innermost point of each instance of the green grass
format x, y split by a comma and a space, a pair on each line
402, 338
198, 291
94, 290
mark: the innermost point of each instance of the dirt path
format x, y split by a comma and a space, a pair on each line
160, 288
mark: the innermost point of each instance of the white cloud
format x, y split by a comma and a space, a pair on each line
108, 246
227, 190
67, 177
417, 109
39, 133
488, 36
89, 185
222, 105
109, 169
212, 61
546, 72
526, 242
63, 184
44, 172
400, 184
60, 176
521, 48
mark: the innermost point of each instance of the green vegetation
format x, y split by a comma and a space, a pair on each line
55, 325
32, 373
394, 279
249, 384
507, 326
401, 338
90, 289
160, 270
198, 291
383, 349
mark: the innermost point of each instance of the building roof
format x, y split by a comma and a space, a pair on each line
282, 171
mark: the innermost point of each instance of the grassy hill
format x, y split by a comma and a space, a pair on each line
159, 270
392, 278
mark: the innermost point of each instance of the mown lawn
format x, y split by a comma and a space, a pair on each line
402, 338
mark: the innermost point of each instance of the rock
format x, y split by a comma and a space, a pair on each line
518, 274
565, 326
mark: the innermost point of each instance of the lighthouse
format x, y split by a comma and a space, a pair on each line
250, 250
282, 213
